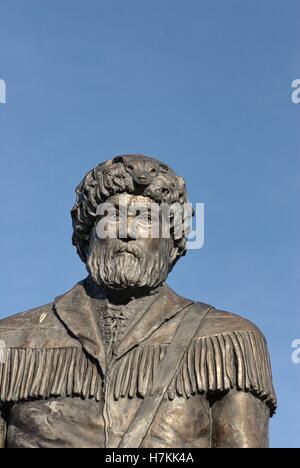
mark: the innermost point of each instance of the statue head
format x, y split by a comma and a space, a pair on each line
131, 221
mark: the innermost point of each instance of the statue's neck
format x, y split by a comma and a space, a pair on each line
117, 311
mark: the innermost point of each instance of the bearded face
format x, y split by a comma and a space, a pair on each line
123, 265
130, 262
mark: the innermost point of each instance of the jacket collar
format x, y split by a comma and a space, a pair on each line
75, 310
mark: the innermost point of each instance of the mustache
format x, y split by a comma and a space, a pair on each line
143, 268
131, 247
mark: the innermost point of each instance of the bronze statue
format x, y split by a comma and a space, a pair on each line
121, 360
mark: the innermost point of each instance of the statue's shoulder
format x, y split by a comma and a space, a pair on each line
37, 356
35, 328
27, 319
232, 352
222, 322
216, 321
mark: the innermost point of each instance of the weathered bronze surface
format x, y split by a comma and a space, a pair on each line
122, 360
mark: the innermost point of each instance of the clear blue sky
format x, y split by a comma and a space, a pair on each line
203, 85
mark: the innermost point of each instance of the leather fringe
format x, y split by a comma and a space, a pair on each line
211, 364
44, 373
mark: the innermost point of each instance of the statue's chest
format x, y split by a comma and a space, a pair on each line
81, 409
74, 422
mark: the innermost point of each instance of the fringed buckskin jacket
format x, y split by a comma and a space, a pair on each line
58, 390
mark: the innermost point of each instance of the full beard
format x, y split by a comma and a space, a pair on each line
125, 265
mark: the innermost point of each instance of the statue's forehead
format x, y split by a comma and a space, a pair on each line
128, 201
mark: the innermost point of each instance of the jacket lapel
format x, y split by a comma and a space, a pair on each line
76, 312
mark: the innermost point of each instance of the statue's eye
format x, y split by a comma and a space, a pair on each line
153, 170
130, 167
145, 218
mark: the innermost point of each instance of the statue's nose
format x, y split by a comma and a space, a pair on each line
131, 233
142, 178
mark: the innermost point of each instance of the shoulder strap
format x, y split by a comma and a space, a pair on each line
167, 370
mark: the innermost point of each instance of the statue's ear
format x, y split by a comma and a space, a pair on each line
163, 168
117, 159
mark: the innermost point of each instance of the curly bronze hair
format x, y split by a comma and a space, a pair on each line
134, 174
